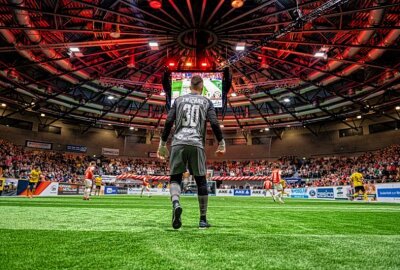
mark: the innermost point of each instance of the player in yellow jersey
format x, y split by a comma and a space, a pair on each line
283, 184
357, 180
98, 182
34, 177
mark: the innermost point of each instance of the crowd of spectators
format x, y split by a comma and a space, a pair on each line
382, 165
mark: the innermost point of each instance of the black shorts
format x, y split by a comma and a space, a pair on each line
98, 187
359, 188
185, 157
32, 185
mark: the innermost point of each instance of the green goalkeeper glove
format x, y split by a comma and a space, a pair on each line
162, 151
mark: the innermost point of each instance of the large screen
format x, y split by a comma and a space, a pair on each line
212, 85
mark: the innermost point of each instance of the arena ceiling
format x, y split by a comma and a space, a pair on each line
90, 61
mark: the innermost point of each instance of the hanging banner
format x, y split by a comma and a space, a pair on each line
110, 151
76, 148
39, 145
152, 154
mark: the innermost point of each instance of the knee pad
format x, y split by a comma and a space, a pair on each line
201, 185
177, 178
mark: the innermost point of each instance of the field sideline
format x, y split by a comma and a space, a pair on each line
129, 232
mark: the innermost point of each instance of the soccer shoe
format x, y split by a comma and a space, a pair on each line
273, 197
204, 225
281, 201
176, 216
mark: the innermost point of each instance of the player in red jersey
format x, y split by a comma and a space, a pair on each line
89, 176
145, 186
276, 180
269, 188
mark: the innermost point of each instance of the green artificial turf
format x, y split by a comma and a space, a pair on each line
129, 232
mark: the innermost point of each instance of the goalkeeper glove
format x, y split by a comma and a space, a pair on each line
162, 151
221, 148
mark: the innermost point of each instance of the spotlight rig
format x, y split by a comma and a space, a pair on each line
296, 24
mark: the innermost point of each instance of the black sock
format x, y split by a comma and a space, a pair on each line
203, 218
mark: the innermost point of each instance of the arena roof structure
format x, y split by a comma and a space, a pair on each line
101, 62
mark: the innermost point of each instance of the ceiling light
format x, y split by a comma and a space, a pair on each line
359, 116
398, 108
233, 94
240, 46
109, 124
221, 126
3, 105
320, 55
188, 64
110, 97
156, 4
153, 45
171, 64
131, 128
162, 93
203, 64
42, 115
266, 129
74, 49
237, 3
116, 33
287, 100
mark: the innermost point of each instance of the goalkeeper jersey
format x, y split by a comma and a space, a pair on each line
190, 114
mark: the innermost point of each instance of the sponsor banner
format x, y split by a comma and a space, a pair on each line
224, 192
76, 148
46, 188
152, 154
70, 189
257, 192
108, 178
22, 187
242, 192
8, 186
110, 190
342, 192
110, 151
299, 193
388, 192
134, 191
122, 190
325, 193
153, 191
312, 193
39, 145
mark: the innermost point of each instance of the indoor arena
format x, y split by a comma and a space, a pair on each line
199, 134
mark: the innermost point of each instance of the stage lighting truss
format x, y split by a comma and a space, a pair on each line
296, 24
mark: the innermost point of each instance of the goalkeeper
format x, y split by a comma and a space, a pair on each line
190, 114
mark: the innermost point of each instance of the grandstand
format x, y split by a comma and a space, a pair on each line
302, 148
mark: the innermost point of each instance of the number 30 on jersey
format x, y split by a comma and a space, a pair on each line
191, 117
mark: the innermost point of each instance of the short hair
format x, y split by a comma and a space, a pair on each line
195, 82
93, 163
